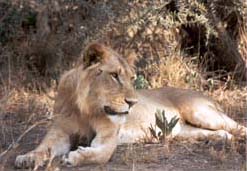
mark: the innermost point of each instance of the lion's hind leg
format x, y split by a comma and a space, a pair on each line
209, 116
191, 132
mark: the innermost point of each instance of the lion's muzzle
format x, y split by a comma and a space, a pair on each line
131, 101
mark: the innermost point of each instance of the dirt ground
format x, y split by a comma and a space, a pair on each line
174, 155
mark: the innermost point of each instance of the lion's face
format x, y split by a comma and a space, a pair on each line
110, 80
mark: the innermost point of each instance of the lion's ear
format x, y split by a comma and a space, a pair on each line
131, 57
94, 53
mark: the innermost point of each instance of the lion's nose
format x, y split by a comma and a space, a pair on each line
131, 101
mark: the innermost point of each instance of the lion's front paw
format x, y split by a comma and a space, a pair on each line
75, 158
71, 159
29, 160
24, 161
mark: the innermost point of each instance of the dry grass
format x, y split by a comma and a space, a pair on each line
20, 110
233, 101
176, 71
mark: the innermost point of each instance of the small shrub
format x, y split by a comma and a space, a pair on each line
140, 82
162, 123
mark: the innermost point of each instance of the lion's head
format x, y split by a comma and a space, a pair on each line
105, 83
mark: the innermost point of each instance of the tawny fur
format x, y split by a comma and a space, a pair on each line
105, 79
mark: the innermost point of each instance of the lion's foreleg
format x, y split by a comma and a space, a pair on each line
55, 143
88, 155
100, 150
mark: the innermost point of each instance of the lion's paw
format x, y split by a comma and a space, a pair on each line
74, 158
224, 134
24, 161
29, 160
71, 159
242, 131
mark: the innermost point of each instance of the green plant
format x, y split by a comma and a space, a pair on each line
162, 123
140, 82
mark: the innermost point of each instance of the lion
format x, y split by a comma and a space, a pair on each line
97, 108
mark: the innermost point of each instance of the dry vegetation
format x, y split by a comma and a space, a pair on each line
195, 44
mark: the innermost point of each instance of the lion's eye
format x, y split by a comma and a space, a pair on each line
114, 75
133, 78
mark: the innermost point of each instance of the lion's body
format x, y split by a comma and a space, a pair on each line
199, 115
96, 103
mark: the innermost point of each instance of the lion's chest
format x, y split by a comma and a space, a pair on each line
117, 119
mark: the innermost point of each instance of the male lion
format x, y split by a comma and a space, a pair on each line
96, 102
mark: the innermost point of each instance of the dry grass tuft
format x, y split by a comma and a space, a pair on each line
233, 101
179, 72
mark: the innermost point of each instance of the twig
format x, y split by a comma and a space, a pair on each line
15, 144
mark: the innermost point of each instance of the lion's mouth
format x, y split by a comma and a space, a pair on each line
109, 111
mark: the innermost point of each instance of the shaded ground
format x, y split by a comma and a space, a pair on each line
174, 155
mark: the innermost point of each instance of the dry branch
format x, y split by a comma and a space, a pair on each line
15, 144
